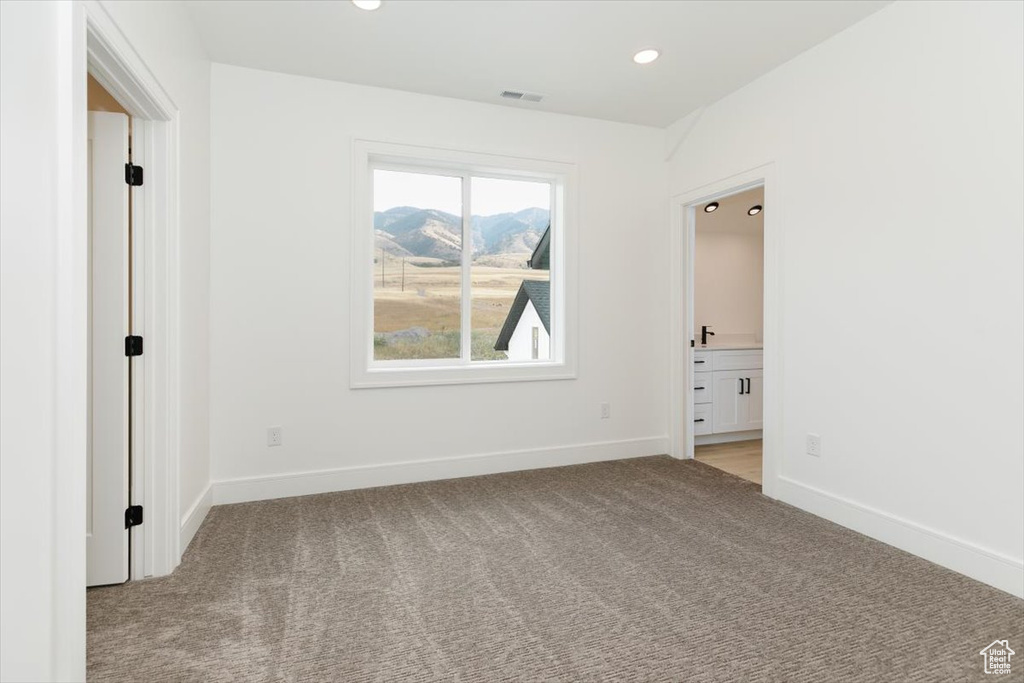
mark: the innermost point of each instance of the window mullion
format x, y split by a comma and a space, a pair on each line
555, 275
467, 260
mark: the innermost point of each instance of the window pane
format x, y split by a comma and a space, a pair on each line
417, 279
510, 270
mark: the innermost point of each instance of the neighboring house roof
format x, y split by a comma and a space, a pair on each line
541, 257
537, 292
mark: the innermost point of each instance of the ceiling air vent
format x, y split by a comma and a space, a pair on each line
524, 96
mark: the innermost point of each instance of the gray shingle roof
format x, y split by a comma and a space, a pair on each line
539, 293
540, 259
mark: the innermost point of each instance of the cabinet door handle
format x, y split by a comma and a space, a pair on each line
698, 388
748, 385
741, 386
699, 419
699, 362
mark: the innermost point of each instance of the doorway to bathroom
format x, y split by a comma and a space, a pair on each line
724, 399
728, 324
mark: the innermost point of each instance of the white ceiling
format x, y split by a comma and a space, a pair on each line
577, 53
731, 215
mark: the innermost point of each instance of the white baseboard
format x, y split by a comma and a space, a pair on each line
995, 569
193, 519
367, 476
727, 437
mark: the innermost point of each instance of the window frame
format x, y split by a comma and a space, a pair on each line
365, 372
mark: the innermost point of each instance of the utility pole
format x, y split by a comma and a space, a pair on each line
403, 273
382, 268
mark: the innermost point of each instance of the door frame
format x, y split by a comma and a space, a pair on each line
683, 231
111, 59
88, 39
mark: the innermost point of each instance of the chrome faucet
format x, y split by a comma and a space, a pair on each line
705, 332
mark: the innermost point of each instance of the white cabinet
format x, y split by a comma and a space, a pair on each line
737, 360
755, 399
728, 391
702, 418
703, 391
738, 405
729, 386
703, 387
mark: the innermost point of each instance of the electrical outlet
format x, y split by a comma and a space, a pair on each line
274, 436
606, 411
814, 445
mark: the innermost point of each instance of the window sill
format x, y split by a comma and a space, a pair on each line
484, 373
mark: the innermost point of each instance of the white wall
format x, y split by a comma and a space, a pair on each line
163, 34
899, 152
728, 276
520, 345
42, 311
280, 291
42, 626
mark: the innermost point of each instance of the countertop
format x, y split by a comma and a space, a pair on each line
730, 346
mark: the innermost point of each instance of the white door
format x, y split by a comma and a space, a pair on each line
755, 399
107, 457
729, 401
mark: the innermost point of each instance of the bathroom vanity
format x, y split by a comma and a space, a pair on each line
728, 396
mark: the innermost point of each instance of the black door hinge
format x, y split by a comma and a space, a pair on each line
132, 516
133, 345
133, 174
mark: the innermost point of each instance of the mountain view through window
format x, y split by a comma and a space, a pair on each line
418, 261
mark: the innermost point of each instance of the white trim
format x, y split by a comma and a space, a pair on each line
67, 659
193, 519
119, 68
478, 373
985, 565
368, 476
363, 371
115, 63
680, 363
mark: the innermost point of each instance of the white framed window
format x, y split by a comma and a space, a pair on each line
463, 267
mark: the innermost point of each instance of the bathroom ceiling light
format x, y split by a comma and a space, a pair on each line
711, 208
754, 210
646, 56
368, 5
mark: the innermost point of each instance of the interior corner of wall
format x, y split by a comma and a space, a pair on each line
677, 133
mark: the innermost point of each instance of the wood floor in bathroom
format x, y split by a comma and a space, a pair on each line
742, 458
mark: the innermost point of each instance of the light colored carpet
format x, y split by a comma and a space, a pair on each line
648, 570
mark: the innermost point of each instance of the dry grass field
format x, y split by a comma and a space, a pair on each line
430, 299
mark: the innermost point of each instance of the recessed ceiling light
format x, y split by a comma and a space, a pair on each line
711, 208
368, 5
754, 210
646, 56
